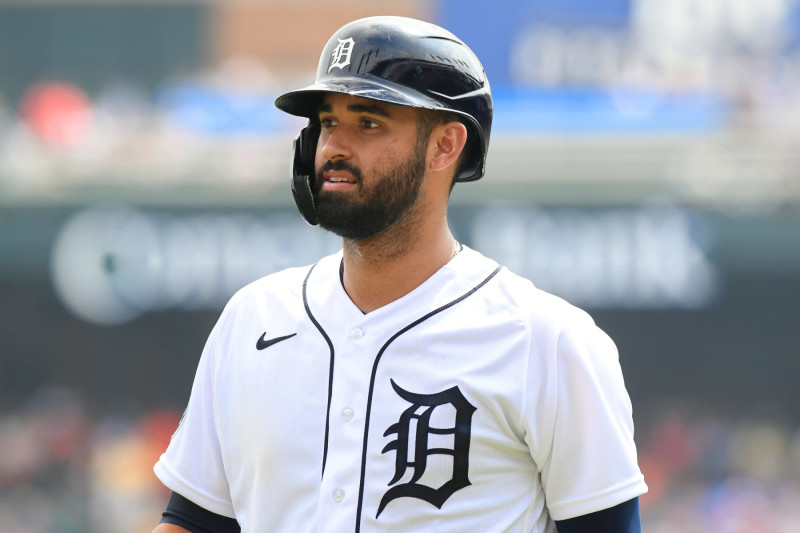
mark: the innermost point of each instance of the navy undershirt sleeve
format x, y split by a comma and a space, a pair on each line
622, 518
189, 515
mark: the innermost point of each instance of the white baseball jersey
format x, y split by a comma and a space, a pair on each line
474, 403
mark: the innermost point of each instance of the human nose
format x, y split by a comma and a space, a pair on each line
334, 145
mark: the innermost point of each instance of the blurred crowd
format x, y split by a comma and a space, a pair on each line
59, 139
64, 470
710, 472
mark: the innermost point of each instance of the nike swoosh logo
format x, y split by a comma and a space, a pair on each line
266, 343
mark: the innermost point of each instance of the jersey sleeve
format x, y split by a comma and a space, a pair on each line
582, 422
192, 464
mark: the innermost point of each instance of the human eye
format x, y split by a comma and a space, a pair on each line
369, 124
326, 123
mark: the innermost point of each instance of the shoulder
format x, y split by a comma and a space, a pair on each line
543, 311
561, 333
555, 331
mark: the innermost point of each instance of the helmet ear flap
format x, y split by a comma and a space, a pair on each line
474, 165
304, 173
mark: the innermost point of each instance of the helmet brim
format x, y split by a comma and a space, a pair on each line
305, 102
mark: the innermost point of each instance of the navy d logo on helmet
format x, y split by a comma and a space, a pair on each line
400, 61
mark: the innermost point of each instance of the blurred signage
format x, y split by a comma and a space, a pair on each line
501, 37
658, 65
643, 257
109, 265
589, 43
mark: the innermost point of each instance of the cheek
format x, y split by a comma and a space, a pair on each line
392, 152
318, 157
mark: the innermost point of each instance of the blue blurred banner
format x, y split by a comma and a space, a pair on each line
588, 111
632, 30
492, 31
630, 66
213, 111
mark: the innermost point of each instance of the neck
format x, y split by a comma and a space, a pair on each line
384, 268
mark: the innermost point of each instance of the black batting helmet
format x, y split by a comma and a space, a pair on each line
400, 61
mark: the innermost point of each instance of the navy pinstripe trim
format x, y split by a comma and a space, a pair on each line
330, 370
372, 384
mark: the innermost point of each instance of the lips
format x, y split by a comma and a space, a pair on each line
337, 181
338, 175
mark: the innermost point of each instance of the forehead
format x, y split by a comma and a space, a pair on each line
337, 102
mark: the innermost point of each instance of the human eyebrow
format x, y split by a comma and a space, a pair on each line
369, 109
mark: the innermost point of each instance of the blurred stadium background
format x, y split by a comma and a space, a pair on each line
645, 164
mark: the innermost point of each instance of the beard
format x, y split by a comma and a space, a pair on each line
394, 190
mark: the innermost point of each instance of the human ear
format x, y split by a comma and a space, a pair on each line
449, 140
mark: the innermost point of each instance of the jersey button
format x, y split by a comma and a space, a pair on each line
338, 495
356, 334
347, 414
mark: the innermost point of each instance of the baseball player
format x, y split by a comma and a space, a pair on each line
406, 383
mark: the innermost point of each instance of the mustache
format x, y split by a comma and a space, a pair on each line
339, 164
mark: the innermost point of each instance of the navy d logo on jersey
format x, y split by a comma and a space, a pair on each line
411, 449
341, 54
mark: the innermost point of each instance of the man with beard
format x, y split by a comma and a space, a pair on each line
406, 383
